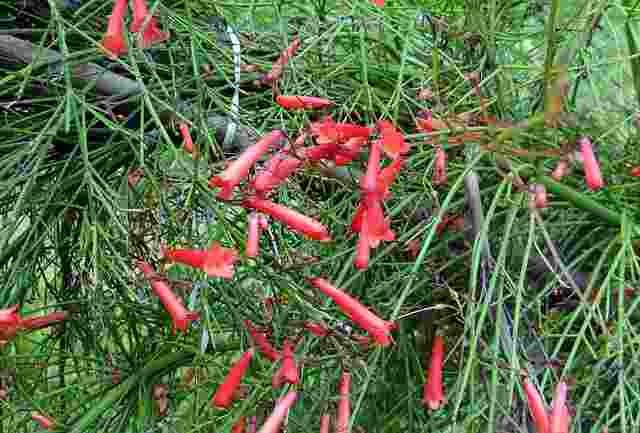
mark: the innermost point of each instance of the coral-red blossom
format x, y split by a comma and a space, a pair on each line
537, 408
559, 419
296, 102
391, 139
278, 66
379, 329
187, 141
237, 170
276, 170
224, 394
288, 371
218, 262
253, 235
273, 422
592, 173
179, 314
344, 403
433, 391
262, 342
325, 423
151, 33
317, 329
113, 41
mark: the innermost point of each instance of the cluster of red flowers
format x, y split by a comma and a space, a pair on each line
556, 420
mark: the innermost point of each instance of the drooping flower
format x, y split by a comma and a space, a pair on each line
187, 141
559, 419
224, 394
537, 408
325, 423
253, 236
262, 342
218, 261
294, 220
379, 329
151, 33
113, 41
278, 66
433, 390
391, 139
288, 371
240, 426
273, 422
237, 170
343, 413
296, 102
440, 167
276, 170
317, 329
9, 324
44, 421
179, 314
592, 173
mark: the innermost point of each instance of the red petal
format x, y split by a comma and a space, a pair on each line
537, 408
218, 261
261, 341
273, 422
344, 404
433, 391
295, 102
224, 394
592, 172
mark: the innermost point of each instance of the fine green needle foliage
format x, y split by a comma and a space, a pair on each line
522, 272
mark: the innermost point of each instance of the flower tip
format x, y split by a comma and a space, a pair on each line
113, 45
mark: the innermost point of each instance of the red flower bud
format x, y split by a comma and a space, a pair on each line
592, 173
224, 394
295, 102
151, 33
113, 41
433, 391
273, 422
537, 408
344, 404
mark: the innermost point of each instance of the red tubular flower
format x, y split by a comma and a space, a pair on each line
433, 391
321, 151
635, 171
32, 323
388, 175
113, 41
592, 173
379, 3
391, 140
358, 313
253, 236
347, 152
44, 422
344, 404
561, 170
218, 261
240, 426
151, 34
186, 256
325, 423
537, 408
276, 170
559, 418
295, 102
272, 424
317, 329
9, 324
278, 66
288, 371
261, 341
440, 167
363, 248
538, 195
346, 131
179, 314
224, 394
369, 182
296, 221
187, 141
239, 169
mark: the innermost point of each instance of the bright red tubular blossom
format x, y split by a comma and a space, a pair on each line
358, 313
113, 41
237, 170
179, 314
537, 408
278, 66
391, 139
253, 236
39, 322
433, 390
224, 394
388, 175
44, 421
186, 256
559, 419
288, 371
151, 34
561, 170
277, 169
296, 102
187, 141
344, 404
295, 220
317, 329
218, 261
440, 167
273, 422
635, 171
325, 423
592, 173
9, 324
262, 342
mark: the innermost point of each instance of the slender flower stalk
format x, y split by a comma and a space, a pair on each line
273, 422
559, 416
151, 33
179, 314
187, 141
296, 102
44, 421
113, 41
296, 221
344, 404
433, 391
224, 394
592, 173
325, 423
388, 175
262, 342
237, 170
537, 408
160, 394
358, 313
363, 248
